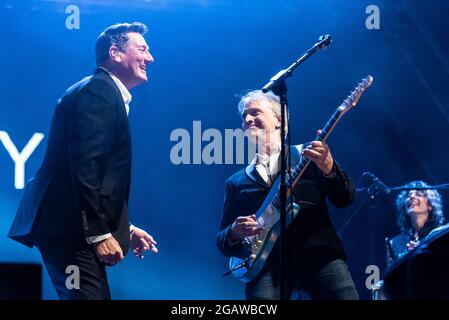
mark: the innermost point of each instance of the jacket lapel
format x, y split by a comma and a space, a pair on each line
254, 175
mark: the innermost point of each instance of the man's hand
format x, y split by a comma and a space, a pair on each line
141, 242
319, 153
108, 251
244, 227
412, 245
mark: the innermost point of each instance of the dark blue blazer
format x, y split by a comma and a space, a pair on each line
312, 229
82, 186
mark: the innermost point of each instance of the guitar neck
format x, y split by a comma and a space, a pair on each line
301, 167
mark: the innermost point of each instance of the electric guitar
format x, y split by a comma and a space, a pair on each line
268, 216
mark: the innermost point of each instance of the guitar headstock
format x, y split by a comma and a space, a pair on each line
353, 98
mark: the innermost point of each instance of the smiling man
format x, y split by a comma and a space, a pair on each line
315, 255
75, 209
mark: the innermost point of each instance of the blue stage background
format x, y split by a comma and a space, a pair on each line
205, 53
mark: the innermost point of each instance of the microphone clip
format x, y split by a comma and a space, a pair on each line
377, 186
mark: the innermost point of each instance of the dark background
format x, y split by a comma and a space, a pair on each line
205, 53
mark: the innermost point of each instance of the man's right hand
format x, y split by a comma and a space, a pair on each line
245, 226
108, 251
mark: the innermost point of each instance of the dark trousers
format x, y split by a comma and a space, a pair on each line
64, 260
330, 282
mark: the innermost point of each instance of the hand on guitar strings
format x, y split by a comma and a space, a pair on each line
244, 226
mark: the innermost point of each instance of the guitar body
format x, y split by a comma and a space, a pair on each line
260, 246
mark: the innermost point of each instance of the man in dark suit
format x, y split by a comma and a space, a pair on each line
316, 259
75, 209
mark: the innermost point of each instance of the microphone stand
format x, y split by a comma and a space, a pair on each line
444, 186
376, 188
278, 85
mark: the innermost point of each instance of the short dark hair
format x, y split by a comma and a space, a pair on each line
116, 34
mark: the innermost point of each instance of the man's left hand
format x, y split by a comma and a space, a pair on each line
141, 242
319, 153
412, 245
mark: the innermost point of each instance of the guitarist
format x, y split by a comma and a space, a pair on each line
316, 258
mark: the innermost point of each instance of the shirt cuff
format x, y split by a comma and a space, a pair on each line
231, 242
95, 239
131, 228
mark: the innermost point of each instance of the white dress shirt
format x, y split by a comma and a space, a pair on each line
266, 166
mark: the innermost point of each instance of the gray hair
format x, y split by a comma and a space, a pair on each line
273, 100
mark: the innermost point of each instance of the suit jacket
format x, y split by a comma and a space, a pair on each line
82, 186
312, 228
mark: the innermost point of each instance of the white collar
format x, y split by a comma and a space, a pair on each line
264, 165
126, 95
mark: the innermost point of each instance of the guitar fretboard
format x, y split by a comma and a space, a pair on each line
292, 178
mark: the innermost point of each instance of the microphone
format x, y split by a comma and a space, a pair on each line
324, 41
377, 185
